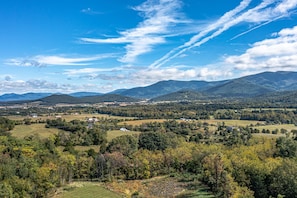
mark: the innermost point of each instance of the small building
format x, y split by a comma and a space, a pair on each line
34, 115
123, 129
91, 122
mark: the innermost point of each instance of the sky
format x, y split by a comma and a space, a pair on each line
66, 46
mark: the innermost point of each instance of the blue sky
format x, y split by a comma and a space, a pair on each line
100, 46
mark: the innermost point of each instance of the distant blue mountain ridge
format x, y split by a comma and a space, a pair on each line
247, 86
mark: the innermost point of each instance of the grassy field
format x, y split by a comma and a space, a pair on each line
86, 190
270, 109
162, 186
288, 127
210, 121
139, 122
86, 148
85, 116
22, 131
67, 117
232, 122
267, 135
116, 133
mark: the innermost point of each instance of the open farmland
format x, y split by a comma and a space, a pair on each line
116, 133
85, 190
22, 131
278, 127
139, 122
232, 122
69, 117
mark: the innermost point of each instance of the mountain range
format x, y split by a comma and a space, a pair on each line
172, 90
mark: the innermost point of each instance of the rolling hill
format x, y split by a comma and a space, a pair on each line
244, 87
278, 81
22, 97
67, 99
240, 88
170, 86
248, 86
183, 95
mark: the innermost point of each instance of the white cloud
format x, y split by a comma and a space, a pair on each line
37, 85
159, 17
208, 29
277, 53
44, 60
152, 75
262, 14
90, 11
83, 71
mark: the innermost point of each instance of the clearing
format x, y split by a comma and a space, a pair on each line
21, 131
163, 186
85, 190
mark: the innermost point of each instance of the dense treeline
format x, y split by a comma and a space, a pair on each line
6, 125
269, 116
203, 111
78, 134
32, 167
160, 111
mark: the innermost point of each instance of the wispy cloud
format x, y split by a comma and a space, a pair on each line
37, 85
262, 14
31, 85
90, 11
159, 17
83, 71
107, 74
44, 60
153, 75
277, 53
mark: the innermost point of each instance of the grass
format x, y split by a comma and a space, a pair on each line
210, 121
267, 135
269, 109
162, 186
232, 122
199, 193
288, 127
139, 122
86, 148
21, 131
86, 190
116, 133
67, 117
85, 116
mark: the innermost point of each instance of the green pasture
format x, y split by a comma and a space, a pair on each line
22, 131
116, 133
269, 109
86, 148
86, 190
242, 123
288, 127
84, 116
209, 121
139, 122
67, 117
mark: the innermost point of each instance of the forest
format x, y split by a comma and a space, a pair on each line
173, 139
